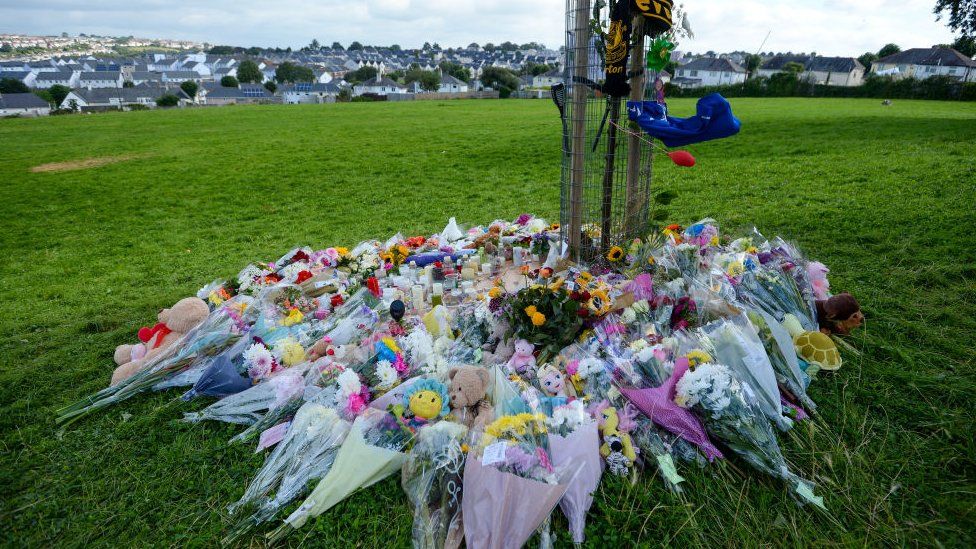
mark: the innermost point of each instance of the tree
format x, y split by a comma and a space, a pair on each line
456, 70
11, 85
962, 15
344, 95
508, 46
397, 75
314, 45
58, 93
6, 48
473, 46
290, 72
500, 78
430, 81
888, 49
362, 74
793, 68
436, 47
190, 88
229, 82
426, 46
270, 86
248, 72
965, 45
221, 50
168, 100
337, 46
867, 59
253, 51
489, 47
128, 84
355, 46
396, 48
752, 64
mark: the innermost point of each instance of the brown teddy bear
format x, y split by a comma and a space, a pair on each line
174, 323
469, 385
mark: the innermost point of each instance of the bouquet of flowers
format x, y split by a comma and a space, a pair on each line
782, 356
431, 478
728, 409
510, 483
374, 450
244, 407
773, 291
306, 453
547, 316
574, 441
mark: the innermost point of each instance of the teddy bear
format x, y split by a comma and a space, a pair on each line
488, 240
522, 360
839, 314
467, 392
617, 448
497, 350
174, 323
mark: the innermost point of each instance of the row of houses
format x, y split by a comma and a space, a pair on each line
919, 63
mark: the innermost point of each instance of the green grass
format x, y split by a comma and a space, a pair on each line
883, 196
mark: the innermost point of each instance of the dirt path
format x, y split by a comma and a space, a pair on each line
85, 164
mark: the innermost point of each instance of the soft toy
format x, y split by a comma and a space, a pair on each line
469, 386
488, 240
425, 401
617, 448
174, 323
497, 350
523, 359
815, 348
839, 314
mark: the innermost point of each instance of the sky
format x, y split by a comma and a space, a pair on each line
829, 27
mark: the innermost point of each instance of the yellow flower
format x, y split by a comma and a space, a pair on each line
599, 302
343, 251
650, 260
294, 317
530, 310
713, 241
557, 285
585, 276
736, 269
391, 343
752, 250
495, 292
697, 357
293, 353
465, 448
538, 319
615, 254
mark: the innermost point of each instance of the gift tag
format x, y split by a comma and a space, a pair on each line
272, 435
666, 465
494, 453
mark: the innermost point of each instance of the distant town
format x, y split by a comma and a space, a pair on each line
40, 75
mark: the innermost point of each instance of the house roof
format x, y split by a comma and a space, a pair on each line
147, 75
16, 75
382, 81
128, 95
22, 101
713, 64
448, 79
101, 75
243, 92
819, 64
50, 76
947, 57
330, 87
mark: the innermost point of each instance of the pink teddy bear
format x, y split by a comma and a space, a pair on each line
523, 359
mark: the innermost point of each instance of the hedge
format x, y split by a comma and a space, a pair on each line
878, 87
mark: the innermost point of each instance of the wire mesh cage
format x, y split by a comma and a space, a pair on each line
607, 169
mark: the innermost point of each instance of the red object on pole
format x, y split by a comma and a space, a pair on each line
682, 158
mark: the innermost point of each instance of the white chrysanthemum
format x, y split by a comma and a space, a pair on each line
589, 366
246, 277
349, 383
386, 374
628, 316
258, 360
290, 273
645, 353
709, 385
571, 416
641, 307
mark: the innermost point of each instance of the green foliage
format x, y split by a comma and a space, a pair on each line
248, 72
962, 15
168, 100
344, 95
888, 49
965, 45
229, 82
751, 65
270, 86
128, 84
879, 194
337, 46
535, 69
362, 74
190, 88
867, 59
501, 79
430, 81
456, 70
881, 87
45, 95
11, 85
291, 73
355, 46
221, 50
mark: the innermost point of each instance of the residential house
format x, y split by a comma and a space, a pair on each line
922, 63
25, 77
178, 77
198, 67
548, 79
709, 71
14, 66
45, 80
450, 84
834, 71
243, 95
100, 79
23, 104
308, 93
146, 77
380, 85
97, 99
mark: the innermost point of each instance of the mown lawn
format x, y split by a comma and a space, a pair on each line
884, 196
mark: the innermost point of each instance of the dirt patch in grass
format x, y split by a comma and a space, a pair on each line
84, 164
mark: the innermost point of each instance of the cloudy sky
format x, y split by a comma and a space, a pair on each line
830, 27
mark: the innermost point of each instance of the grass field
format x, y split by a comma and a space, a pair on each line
883, 196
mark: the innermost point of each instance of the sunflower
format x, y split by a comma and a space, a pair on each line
556, 285
615, 254
698, 357
599, 302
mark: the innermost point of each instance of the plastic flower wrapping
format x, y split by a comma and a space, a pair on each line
668, 352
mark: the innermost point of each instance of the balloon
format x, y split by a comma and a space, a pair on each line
682, 158
397, 309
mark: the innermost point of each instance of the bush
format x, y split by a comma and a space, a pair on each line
168, 100
877, 87
229, 82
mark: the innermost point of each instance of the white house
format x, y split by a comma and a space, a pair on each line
709, 71
45, 80
14, 66
309, 93
450, 84
26, 77
380, 86
548, 80
100, 79
107, 98
922, 63
834, 71
23, 104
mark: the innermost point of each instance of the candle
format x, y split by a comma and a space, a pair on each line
468, 274
486, 269
428, 275
438, 288
418, 296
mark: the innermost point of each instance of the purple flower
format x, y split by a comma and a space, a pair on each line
523, 219
519, 460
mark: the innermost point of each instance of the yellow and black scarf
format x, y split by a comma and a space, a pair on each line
657, 15
617, 51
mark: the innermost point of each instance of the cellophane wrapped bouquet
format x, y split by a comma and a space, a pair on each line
432, 480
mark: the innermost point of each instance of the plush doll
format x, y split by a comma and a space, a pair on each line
488, 241
522, 360
469, 387
174, 323
425, 401
839, 314
497, 350
617, 448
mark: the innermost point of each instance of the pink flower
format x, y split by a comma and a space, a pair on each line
572, 367
543, 459
401, 365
